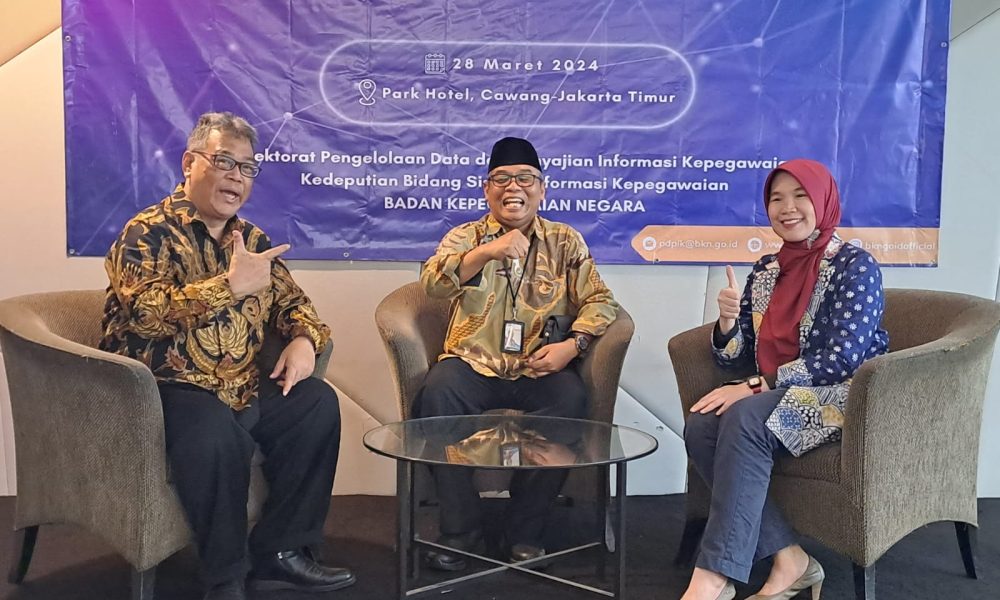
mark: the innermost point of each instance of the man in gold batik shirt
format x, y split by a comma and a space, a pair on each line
193, 288
506, 274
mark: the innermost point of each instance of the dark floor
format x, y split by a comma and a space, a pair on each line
72, 564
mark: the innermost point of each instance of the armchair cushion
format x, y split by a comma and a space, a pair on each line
822, 464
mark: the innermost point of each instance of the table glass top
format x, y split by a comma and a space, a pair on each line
509, 441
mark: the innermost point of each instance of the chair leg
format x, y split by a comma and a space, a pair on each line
967, 544
24, 546
142, 584
693, 529
864, 582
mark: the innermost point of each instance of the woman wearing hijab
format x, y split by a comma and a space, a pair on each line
808, 317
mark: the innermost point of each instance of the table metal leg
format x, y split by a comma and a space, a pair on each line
414, 547
620, 493
404, 494
601, 518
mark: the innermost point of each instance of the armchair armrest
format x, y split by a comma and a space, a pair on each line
412, 327
323, 361
410, 357
601, 368
696, 371
912, 425
89, 431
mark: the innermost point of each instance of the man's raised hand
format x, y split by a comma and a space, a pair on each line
512, 244
250, 272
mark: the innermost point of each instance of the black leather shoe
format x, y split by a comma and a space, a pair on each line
231, 590
294, 570
523, 552
440, 560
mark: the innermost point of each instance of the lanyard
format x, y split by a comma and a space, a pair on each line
514, 291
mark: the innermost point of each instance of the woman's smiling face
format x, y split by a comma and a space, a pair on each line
790, 209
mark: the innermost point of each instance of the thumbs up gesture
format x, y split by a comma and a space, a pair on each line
729, 302
250, 272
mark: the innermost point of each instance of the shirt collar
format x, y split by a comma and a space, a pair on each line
178, 204
494, 228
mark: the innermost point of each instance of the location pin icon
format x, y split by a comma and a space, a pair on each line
367, 88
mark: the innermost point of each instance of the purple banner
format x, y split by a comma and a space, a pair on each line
656, 122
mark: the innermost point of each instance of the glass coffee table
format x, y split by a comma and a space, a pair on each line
510, 442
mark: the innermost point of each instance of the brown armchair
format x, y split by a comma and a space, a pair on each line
88, 428
911, 434
413, 326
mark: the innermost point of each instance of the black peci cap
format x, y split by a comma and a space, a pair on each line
513, 151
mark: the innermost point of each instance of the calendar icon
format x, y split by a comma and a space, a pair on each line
434, 63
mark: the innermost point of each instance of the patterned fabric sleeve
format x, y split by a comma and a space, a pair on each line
439, 274
853, 322
293, 313
738, 348
141, 271
597, 307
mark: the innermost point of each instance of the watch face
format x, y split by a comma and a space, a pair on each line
753, 381
582, 343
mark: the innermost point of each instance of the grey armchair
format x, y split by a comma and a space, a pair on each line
88, 428
911, 434
413, 326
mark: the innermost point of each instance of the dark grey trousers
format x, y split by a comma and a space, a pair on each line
734, 454
453, 387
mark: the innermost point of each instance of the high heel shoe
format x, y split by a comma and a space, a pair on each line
728, 592
812, 578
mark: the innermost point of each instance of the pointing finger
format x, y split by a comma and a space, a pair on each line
291, 378
278, 367
276, 251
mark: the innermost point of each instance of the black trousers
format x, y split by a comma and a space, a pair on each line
209, 447
453, 387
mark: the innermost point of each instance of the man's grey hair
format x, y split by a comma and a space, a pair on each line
226, 122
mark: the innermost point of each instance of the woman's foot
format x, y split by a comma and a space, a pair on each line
811, 579
789, 565
708, 585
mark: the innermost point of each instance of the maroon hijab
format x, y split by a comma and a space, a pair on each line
778, 338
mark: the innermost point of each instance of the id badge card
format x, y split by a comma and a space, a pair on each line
510, 454
513, 337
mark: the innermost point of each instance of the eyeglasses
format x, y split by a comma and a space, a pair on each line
523, 179
228, 163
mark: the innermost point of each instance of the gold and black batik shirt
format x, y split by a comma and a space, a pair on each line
560, 278
169, 304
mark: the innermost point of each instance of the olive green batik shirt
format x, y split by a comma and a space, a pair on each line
560, 278
169, 304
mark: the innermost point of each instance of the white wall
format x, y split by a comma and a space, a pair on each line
965, 14
663, 300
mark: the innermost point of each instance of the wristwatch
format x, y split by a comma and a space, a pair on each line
582, 343
756, 383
